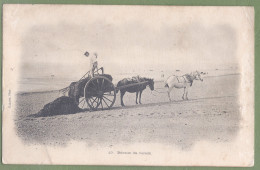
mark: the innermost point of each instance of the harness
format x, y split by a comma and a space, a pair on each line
190, 80
186, 78
181, 77
137, 80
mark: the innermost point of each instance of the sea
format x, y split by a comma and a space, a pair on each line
52, 83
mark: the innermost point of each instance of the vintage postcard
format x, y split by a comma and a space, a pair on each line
128, 85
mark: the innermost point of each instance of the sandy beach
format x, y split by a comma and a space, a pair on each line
211, 113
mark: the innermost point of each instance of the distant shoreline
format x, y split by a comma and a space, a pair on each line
38, 92
233, 74
156, 81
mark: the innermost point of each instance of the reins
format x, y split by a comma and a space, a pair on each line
157, 92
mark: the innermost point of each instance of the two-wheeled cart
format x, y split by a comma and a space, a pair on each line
100, 92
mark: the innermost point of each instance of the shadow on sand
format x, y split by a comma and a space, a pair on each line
167, 103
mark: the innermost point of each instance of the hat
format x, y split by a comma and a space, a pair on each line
86, 54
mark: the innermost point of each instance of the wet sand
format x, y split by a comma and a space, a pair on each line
211, 113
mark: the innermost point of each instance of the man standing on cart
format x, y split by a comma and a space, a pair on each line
93, 63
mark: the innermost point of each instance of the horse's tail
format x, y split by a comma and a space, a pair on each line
118, 85
166, 83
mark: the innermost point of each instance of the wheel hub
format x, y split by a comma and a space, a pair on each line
99, 94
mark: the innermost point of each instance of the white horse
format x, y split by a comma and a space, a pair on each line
184, 81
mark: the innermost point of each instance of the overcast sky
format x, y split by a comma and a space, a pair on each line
54, 38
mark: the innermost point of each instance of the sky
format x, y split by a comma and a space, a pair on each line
54, 38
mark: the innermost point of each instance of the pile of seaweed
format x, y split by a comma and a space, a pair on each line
60, 106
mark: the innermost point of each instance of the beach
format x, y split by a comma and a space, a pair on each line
211, 113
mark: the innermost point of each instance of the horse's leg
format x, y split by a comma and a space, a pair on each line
184, 93
187, 90
136, 97
122, 93
140, 96
187, 95
169, 91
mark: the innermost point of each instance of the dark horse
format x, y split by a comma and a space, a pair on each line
125, 86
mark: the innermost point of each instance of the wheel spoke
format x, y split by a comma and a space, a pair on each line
93, 83
83, 105
82, 100
92, 102
102, 84
92, 88
105, 102
90, 99
95, 100
97, 85
101, 103
98, 103
108, 99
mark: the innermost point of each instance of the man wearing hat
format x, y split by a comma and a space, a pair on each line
93, 63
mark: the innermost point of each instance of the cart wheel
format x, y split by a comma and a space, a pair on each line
100, 93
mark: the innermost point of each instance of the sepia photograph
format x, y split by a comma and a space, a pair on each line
128, 85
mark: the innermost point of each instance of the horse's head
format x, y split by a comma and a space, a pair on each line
151, 83
197, 75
